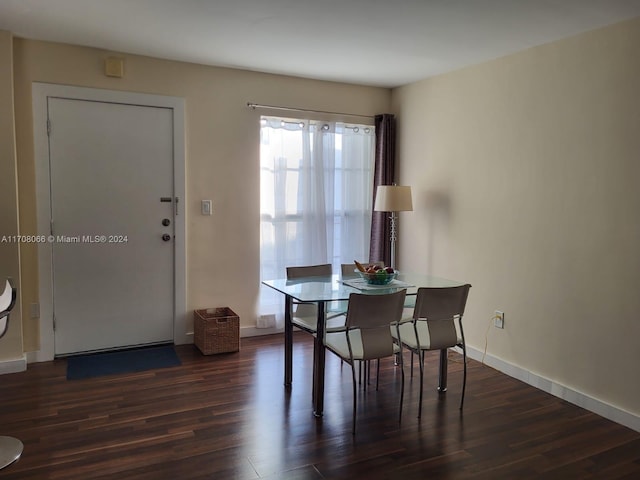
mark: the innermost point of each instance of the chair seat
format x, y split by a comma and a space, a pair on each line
408, 336
310, 322
337, 342
10, 450
306, 314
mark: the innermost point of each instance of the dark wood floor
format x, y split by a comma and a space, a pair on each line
229, 416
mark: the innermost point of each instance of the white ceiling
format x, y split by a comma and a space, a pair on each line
372, 42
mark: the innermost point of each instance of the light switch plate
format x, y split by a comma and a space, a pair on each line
206, 207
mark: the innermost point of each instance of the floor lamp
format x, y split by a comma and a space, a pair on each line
394, 199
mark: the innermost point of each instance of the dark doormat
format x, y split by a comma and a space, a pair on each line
125, 361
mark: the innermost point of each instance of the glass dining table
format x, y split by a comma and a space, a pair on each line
327, 290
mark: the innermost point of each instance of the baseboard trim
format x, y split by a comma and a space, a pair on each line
256, 332
248, 332
575, 397
13, 366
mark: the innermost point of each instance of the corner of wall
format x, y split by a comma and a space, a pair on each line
11, 345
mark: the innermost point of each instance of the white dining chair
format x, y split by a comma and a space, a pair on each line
366, 335
433, 327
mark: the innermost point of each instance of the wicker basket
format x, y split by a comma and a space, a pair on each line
216, 330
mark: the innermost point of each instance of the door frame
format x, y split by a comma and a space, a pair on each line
40, 94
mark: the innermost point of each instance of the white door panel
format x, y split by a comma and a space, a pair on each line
110, 165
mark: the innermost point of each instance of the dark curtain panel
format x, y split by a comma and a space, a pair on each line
385, 162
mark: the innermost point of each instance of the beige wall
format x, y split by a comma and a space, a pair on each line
222, 143
525, 173
11, 343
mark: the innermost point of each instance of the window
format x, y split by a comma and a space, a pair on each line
316, 184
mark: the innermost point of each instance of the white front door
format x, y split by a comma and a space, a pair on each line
112, 212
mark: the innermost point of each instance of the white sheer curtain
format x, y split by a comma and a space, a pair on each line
316, 182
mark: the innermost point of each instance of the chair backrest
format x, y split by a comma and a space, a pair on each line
7, 302
323, 270
372, 315
349, 269
440, 306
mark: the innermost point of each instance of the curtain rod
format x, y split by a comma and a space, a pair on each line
253, 106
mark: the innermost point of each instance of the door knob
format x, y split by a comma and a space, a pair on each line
166, 237
166, 222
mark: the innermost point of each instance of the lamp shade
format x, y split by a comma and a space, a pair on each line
393, 198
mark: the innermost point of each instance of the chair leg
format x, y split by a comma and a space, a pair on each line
401, 388
377, 374
355, 400
364, 365
420, 354
411, 363
365, 368
367, 373
464, 374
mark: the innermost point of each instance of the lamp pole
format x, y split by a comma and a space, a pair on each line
394, 237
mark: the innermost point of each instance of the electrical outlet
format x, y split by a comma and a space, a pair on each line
498, 319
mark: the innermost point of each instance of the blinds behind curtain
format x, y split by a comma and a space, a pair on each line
316, 197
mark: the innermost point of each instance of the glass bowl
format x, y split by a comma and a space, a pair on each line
378, 278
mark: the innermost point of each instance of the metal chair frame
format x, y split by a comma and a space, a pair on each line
439, 308
10, 448
370, 318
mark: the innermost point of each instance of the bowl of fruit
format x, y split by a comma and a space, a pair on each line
376, 274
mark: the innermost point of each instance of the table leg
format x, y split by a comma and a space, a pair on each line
318, 364
288, 342
444, 361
